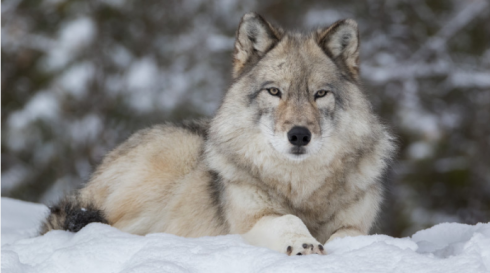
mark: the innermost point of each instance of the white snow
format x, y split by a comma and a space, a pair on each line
448, 247
43, 105
75, 79
72, 38
465, 79
85, 129
13, 176
420, 150
218, 42
324, 17
143, 74
20, 220
142, 82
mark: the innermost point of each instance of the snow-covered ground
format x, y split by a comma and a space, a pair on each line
444, 248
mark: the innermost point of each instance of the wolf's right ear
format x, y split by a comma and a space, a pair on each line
254, 38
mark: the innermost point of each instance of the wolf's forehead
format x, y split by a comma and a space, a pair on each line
300, 56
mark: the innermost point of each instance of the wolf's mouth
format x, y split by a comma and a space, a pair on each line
298, 150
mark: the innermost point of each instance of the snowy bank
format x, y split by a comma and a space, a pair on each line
445, 248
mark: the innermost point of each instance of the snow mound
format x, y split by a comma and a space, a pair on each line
445, 248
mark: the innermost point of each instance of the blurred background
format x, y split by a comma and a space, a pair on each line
79, 77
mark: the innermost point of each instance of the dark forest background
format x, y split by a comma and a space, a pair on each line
78, 77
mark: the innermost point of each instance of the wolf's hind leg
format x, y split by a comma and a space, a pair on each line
286, 234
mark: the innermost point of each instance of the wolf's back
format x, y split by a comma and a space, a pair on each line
72, 213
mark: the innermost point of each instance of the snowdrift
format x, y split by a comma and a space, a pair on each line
97, 248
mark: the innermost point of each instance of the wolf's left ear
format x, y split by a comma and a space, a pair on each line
254, 38
341, 41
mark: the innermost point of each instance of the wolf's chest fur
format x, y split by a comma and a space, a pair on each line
314, 193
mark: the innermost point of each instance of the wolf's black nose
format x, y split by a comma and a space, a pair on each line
299, 136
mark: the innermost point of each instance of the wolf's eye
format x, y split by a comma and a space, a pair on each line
274, 91
321, 93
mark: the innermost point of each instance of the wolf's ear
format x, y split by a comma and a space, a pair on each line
254, 38
341, 41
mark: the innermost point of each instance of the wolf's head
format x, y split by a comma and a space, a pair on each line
295, 96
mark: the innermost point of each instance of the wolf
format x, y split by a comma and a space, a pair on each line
293, 158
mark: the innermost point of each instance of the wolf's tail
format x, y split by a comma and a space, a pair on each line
72, 214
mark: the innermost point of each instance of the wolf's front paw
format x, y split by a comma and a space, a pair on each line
286, 234
305, 248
